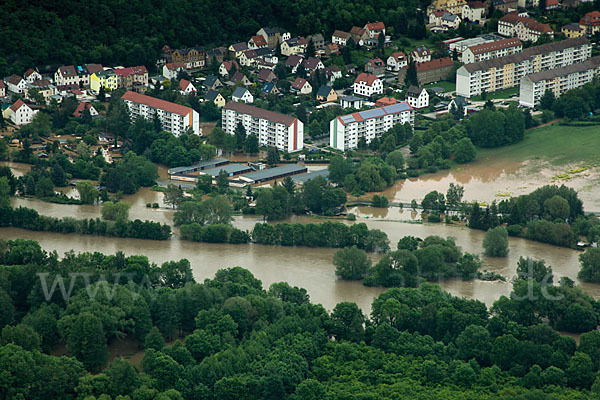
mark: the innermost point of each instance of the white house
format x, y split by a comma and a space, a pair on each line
171, 70
16, 84
242, 95
301, 86
396, 61
340, 38
474, 12
186, 87
417, 97
367, 85
32, 75
21, 113
421, 54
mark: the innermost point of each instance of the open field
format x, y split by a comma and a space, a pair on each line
499, 94
446, 85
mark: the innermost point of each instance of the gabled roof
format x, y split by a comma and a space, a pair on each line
476, 4
573, 27
259, 40
242, 46
250, 54
267, 87
14, 79
211, 95
184, 83
243, 108
311, 63
266, 74
414, 91
18, 104
2, 85
459, 101
341, 34
398, 55
386, 101
376, 62
591, 18
293, 61
156, 103
263, 51
514, 19
421, 51
317, 37
238, 77
230, 63
79, 110
239, 92
210, 80
272, 31
495, 45
299, 83
375, 26
357, 30
449, 17
139, 70
324, 91
29, 72
95, 68
296, 41
367, 79
434, 64
175, 66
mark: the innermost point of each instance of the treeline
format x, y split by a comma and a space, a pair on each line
496, 127
575, 104
246, 342
27, 218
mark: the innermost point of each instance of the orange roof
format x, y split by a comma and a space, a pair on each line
17, 105
433, 64
386, 101
368, 79
259, 40
183, 84
299, 83
79, 110
398, 55
532, 24
496, 45
156, 103
376, 26
175, 65
591, 18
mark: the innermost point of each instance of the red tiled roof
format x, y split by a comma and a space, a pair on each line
2, 85
14, 79
272, 116
386, 101
376, 62
17, 104
476, 4
139, 70
591, 18
259, 40
368, 79
79, 110
94, 68
356, 30
229, 64
183, 84
398, 55
293, 61
156, 103
496, 45
376, 26
532, 24
29, 72
311, 63
434, 64
550, 3
341, 34
299, 83
175, 66
67, 70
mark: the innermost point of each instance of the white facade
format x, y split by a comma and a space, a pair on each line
473, 14
418, 99
16, 84
170, 71
367, 85
21, 113
272, 129
174, 117
345, 131
526, 29
506, 72
488, 51
242, 95
558, 81
396, 61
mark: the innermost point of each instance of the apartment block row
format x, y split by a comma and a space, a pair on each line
506, 72
272, 129
345, 131
558, 81
174, 118
491, 50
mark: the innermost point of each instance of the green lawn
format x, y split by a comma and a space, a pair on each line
499, 94
446, 85
557, 144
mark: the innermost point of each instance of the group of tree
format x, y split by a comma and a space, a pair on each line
575, 104
245, 341
496, 127
372, 174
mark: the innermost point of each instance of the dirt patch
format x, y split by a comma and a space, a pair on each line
207, 127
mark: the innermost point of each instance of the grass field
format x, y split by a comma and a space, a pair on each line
499, 94
447, 86
556, 144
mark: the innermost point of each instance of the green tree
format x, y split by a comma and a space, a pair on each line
580, 372
495, 242
5, 192
86, 341
590, 265
528, 268
467, 266
154, 340
464, 151
351, 263
251, 144
240, 135
557, 207
204, 183
88, 193
411, 75
123, 377
547, 100
173, 195
21, 335
272, 156
118, 211
348, 322
222, 181
395, 159
474, 342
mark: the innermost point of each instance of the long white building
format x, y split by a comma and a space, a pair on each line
488, 51
175, 118
345, 131
282, 131
506, 72
558, 81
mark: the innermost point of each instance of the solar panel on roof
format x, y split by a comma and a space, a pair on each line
395, 108
376, 112
347, 118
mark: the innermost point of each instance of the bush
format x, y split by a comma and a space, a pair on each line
495, 242
379, 201
148, 205
351, 217
154, 205
514, 230
248, 210
434, 218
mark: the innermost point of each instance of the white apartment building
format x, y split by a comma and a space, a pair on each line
367, 85
506, 72
272, 129
487, 51
558, 81
525, 28
175, 118
345, 131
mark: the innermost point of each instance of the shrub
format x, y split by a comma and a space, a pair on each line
514, 230
434, 218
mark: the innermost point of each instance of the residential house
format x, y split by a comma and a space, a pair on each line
237, 49
227, 66
186, 87
212, 83
340, 37
267, 55
296, 46
376, 67
273, 36
558, 81
2, 89
243, 95
332, 73
417, 97
435, 70
420, 54
217, 55
385, 101
21, 113
239, 77
453, 6
16, 84
474, 12
266, 75
311, 64
506, 72
351, 102
301, 86
272, 129
69, 74
171, 70
191, 57
32, 75
132, 77
435, 18
215, 97
590, 22
331, 49
83, 105
396, 61
248, 58
293, 62
107, 79
373, 30
174, 118
450, 21
367, 85
457, 103
157, 82
43, 87
269, 88
346, 131
496, 49
326, 94
525, 28
256, 42
359, 35
572, 31
552, 5
350, 69
318, 41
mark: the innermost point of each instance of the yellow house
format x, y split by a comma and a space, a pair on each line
572, 31
295, 46
453, 6
107, 79
326, 94
215, 97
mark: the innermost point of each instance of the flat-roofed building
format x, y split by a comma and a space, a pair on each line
174, 118
272, 129
270, 174
496, 49
558, 81
345, 131
230, 170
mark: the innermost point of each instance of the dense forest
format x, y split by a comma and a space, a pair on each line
230, 338
133, 32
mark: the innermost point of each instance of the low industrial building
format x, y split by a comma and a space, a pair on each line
230, 170
272, 173
180, 173
302, 179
